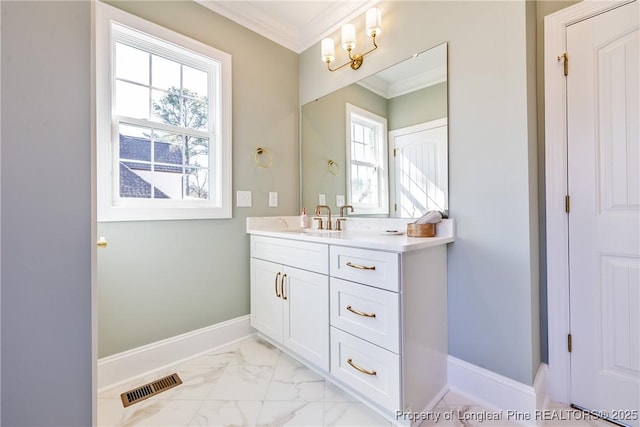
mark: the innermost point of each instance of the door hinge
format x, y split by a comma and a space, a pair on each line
394, 152
395, 207
569, 343
567, 203
565, 57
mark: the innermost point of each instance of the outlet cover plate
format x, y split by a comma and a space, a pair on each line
273, 199
243, 199
322, 199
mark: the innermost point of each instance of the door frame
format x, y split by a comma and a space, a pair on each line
557, 232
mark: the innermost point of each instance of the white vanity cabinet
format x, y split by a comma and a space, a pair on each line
389, 324
289, 304
369, 310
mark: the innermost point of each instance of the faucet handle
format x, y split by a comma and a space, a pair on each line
339, 222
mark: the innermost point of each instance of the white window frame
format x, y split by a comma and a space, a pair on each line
111, 207
382, 208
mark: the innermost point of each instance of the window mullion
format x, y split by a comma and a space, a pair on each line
184, 159
180, 98
162, 126
153, 162
150, 86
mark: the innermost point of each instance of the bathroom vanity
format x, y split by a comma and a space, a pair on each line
363, 307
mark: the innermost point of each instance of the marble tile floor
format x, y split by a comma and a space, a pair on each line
457, 410
252, 383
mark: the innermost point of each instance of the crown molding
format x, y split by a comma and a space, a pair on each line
298, 37
402, 87
332, 20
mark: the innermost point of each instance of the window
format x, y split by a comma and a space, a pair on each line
163, 122
366, 161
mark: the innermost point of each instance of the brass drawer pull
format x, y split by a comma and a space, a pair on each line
358, 368
284, 276
360, 313
276, 285
361, 267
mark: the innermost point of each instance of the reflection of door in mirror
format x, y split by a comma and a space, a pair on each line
418, 169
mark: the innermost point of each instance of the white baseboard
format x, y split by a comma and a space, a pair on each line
540, 386
121, 367
496, 391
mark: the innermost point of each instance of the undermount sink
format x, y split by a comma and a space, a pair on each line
317, 231
312, 231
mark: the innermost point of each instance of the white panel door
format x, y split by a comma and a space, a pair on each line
604, 231
419, 168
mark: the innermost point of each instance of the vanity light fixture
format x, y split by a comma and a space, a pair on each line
373, 27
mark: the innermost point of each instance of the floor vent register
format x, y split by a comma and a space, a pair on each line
151, 389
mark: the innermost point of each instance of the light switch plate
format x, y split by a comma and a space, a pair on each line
322, 199
243, 199
273, 199
340, 200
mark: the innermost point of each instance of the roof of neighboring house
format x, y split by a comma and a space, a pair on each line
133, 185
139, 149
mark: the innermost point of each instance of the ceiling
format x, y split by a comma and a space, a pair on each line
422, 70
294, 24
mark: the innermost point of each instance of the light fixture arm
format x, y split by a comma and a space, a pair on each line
375, 46
356, 60
373, 28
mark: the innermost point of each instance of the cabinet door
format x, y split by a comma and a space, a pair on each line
266, 306
306, 318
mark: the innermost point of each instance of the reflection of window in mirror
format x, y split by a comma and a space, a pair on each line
366, 161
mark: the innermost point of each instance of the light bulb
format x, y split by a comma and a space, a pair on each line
373, 21
349, 37
328, 50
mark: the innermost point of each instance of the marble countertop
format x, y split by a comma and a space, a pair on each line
368, 233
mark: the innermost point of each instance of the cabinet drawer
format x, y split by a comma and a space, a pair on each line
304, 255
366, 312
375, 268
368, 369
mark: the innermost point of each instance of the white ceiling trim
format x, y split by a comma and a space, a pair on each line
332, 20
402, 87
298, 36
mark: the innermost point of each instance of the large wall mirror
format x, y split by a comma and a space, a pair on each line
380, 144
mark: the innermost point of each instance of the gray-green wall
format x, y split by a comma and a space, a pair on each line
416, 107
46, 214
323, 130
494, 312
173, 277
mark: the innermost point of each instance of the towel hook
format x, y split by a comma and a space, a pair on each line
334, 168
263, 158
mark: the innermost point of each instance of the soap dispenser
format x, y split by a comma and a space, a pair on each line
305, 221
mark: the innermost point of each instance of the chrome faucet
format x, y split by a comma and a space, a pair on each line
329, 226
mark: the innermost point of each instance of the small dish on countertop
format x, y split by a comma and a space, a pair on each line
392, 232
